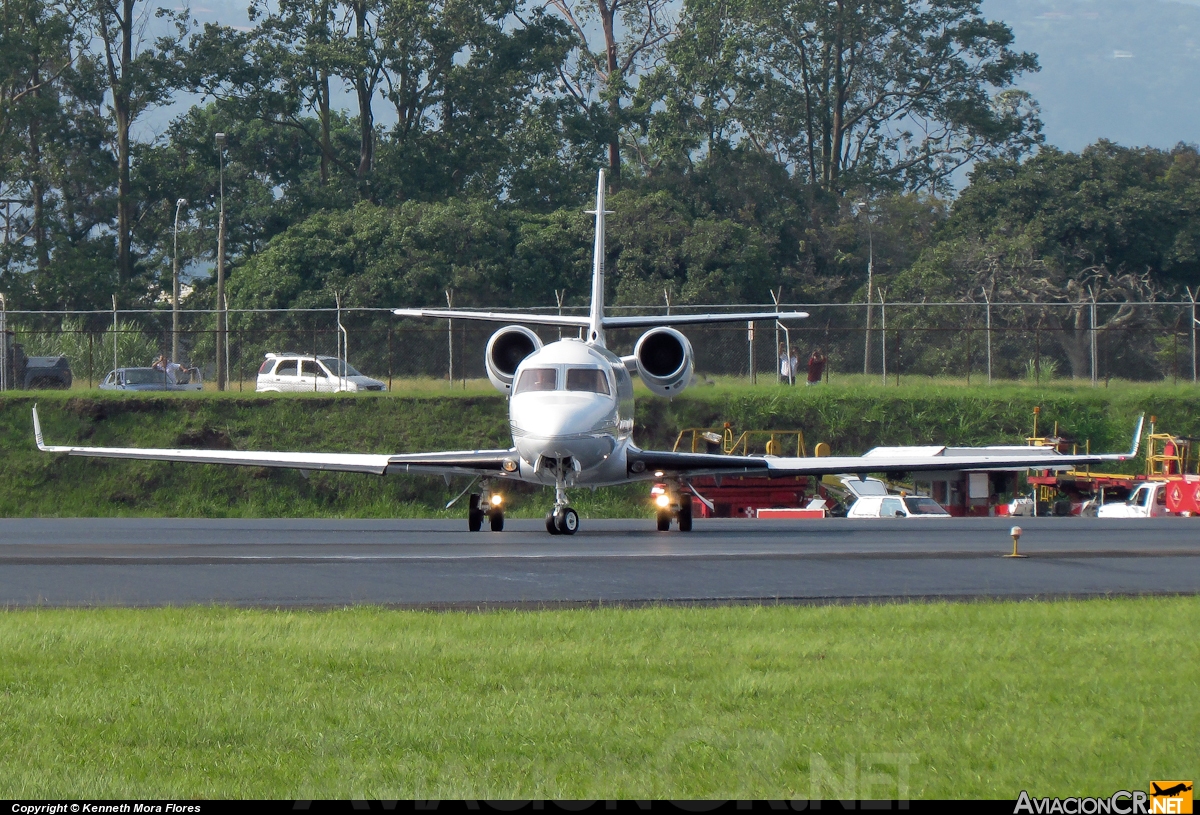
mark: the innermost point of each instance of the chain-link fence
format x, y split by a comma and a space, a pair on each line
975, 342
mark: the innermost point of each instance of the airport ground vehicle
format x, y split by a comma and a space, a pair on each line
1148, 500
745, 496
1168, 485
31, 373
47, 372
896, 506
301, 373
151, 379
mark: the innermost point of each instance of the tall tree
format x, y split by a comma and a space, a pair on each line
139, 77
882, 93
606, 71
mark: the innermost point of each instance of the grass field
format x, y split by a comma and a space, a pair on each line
939, 700
852, 418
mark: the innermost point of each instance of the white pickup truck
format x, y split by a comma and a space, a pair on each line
1148, 500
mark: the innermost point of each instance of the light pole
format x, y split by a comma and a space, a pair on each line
856, 208
180, 204
221, 372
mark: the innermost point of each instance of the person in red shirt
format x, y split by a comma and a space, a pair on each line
816, 367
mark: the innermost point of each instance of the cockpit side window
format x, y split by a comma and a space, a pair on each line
537, 379
590, 380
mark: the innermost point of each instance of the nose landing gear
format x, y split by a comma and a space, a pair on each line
562, 520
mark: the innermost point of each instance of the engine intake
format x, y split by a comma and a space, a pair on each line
507, 348
664, 360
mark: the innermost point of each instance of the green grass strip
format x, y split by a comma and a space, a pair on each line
981, 699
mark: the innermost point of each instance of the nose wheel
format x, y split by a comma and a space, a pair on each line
562, 521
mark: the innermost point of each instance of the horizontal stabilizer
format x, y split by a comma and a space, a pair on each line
639, 321
494, 316
655, 320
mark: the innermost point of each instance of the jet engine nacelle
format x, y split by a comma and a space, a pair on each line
507, 348
664, 360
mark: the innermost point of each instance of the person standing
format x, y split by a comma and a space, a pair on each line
787, 365
816, 367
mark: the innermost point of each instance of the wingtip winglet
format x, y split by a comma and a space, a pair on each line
37, 430
1137, 436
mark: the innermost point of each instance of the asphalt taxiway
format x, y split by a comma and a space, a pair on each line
436, 563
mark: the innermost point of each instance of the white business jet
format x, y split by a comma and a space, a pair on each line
571, 413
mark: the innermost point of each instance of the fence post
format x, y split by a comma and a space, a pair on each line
115, 366
968, 353
883, 335
1093, 334
450, 335
389, 358
4, 338
225, 335
988, 301
750, 340
1037, 354
1195, 323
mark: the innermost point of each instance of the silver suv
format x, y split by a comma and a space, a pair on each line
303, 373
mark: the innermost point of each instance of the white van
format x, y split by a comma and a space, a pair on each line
896, 506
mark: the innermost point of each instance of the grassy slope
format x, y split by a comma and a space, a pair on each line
983, 699
851, 418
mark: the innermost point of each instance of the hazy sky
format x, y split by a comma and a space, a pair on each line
1125, 70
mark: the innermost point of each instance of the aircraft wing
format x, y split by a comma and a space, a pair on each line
655, 320
461, 462
467, 462
495, 316
646, 464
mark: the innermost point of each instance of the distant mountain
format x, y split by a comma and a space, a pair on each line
1123, 70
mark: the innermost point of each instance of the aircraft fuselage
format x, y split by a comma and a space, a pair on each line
571, 409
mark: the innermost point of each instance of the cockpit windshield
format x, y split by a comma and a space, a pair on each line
590, 380
537, 379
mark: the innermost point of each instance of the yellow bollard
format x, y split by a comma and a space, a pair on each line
1016, 536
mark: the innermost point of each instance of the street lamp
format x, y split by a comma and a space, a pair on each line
856, 208
180, 204
221, 372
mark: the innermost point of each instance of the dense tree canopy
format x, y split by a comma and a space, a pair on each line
1115, 224
391, 149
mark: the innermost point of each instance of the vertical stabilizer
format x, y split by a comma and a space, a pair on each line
596, 316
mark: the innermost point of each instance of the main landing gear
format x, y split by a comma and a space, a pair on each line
672, 504
488, 505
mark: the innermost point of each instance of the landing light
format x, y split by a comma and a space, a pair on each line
663, 500
496, 499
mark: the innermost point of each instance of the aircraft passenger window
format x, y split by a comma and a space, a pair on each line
311, 368
537, 379
286, 368
591, 380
